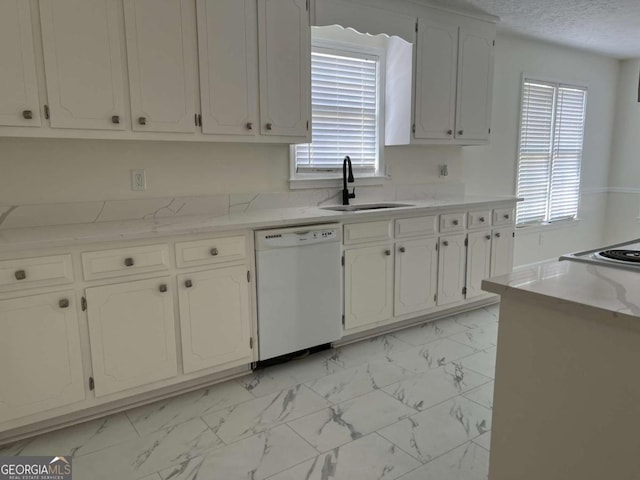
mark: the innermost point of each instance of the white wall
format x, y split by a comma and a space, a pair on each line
492, 169
623, 206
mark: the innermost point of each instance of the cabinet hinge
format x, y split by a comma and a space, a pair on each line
92, 384
342, 261
343, 320
307, 125
489, 131
464, 290
46, 112
249, 276
416, 25
83, 303
251, 343
413, 128
199, 119
307, 5
437, 246
466, 242
435, 297
513, 234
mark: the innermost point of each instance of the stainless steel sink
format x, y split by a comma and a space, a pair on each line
366, 206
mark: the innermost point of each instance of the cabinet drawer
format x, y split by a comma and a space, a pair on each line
409, 227
125, 261
479, 219
214, 250
367, 232
503, 216
36, 272
452, 222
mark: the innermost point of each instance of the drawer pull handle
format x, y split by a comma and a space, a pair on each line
387, 253
128, 262
402, 249
214, 252
115, 119
269, 126
21, 275
142, 120
64, 303
445, 243
481, 219
449, 132
498, 235
506, 216
455, 222
460, 132
249, 126
27, 114
163, 288
188, 283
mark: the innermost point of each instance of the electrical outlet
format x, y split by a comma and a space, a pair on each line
138, 180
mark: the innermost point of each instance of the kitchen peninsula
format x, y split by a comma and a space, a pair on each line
567, 400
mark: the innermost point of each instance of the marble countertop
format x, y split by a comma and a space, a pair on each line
12, 239
606, 288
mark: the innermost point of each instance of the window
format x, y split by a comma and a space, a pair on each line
346, 113
550, 151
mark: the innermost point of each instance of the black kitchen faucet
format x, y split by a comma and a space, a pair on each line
345, 191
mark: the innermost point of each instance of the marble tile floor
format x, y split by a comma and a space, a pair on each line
415, 404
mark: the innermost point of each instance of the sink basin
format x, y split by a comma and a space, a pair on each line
367, 206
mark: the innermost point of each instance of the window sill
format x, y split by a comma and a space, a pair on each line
333, 182
545, 227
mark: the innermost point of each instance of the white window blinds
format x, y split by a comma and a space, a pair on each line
344, 99
550, 151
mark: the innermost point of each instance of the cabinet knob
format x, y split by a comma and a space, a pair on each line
269, 126
115, 119
445, 243
488, 237
249, 126
21, 275
27, 114
498, 235
402, 249
387, 253
163, 287
449, 132
188, 283
460, 132
481, 219
214, 252
142, 120
506, 216
455, 222
128, 262
64, 303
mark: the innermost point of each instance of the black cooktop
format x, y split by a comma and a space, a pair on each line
632, 256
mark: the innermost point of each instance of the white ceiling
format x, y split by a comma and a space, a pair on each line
610, 27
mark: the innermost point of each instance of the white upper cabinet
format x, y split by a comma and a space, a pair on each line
19, 104
83, 64
475, 83
436, 92
228, 53
161, 55
285, 67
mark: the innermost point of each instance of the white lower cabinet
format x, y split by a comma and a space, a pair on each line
40, 360
368, 280
478, 262
215, 318
132, 334
502, 251
451, 269
416, 275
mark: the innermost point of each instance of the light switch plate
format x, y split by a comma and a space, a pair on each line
138, 180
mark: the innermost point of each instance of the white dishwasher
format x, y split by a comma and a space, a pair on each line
299, 285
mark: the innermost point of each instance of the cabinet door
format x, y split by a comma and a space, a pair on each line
215, 318
368, 280
285, 67
451, 269
132, 334
416, 275
228, 54
161, 57
83, 64
436, 67
40, 354
475, 84
19, 91
478, 262
502, 251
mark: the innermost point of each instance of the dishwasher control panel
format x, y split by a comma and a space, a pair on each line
296, 236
